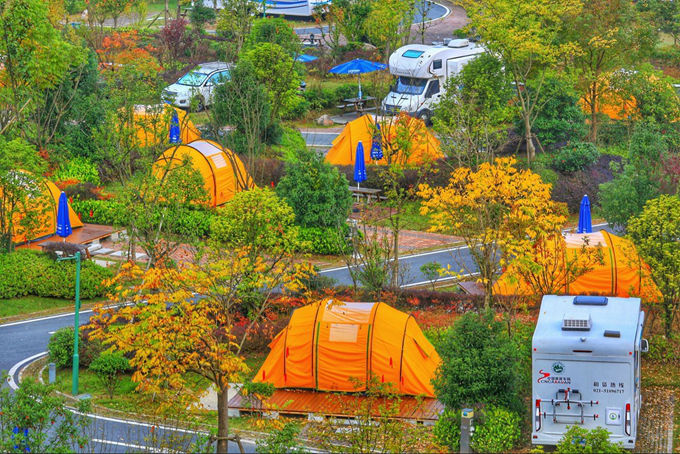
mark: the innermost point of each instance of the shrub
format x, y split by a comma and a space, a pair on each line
499, 430
283, 440
447, 429
109, 367
78, 168
60, 347
479, 364
89, 349
320, 97
347, 91
29, 272
570, 188
290, 144
329, 241
579, 440
575, 156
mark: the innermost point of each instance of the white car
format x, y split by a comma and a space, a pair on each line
198, 85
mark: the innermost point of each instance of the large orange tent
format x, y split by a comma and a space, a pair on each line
336, 346
424, 147
621, 273
45, 202
152, 125
223, 172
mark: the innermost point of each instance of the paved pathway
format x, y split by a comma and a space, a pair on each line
655, 428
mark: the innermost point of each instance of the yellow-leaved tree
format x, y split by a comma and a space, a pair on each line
182, 320
498, 210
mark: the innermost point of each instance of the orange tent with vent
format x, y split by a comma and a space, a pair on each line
152, 124
223, 172
336, 346
46, 204
622, 272
425, 146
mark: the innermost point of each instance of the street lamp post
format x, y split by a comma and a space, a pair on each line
76, 359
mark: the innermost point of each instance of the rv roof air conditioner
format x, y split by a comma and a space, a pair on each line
576, 322
459, 43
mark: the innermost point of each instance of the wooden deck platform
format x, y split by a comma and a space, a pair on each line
318, 404
86, 234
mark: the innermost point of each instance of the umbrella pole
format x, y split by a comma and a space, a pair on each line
359, 76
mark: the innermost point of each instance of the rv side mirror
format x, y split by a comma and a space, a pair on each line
644, 346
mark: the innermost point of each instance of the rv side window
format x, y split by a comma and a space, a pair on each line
432, 89
437, 64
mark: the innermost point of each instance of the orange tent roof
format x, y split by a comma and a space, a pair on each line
335, 346
622, 273
223, 172
153, 125
46, 204
425, 146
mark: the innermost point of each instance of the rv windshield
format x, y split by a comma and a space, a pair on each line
192, 79
410, 85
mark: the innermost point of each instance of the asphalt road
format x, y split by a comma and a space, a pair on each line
23, 340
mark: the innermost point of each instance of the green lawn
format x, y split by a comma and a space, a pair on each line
30, 304
159, 7
411, 219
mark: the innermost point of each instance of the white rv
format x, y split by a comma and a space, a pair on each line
422, 71
586, 367
303, 8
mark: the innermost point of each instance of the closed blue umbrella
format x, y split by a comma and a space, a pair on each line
359, 165
376, 144
63, 220
305, 58
174, 128
585, 224
358, 66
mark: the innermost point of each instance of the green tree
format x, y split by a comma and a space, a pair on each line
479, 364
276, 70
352, 16
32, 419
388, 25
316, 191
525, 34
611, 34
665, 16
22, 192
109, 367
234, 22
275, 30
655, 233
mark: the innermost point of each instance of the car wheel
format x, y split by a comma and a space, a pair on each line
199, 102
426, 116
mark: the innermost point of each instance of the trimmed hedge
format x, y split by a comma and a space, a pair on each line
324, 241
28, 272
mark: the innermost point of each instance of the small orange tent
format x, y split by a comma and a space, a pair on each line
45, 204
425, 146
223, 172
335, 346
152, 124
622, 272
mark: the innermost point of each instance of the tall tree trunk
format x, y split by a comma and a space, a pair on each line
593, 113
223, 420
531, 150
395, 261
167, 11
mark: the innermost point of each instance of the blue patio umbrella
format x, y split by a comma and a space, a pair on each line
359, 165
174, 128
63, 221
358, 66
585, 224
305, 58
376, 144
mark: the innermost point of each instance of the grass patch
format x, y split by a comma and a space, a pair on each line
30, 304
159, 7
411, 219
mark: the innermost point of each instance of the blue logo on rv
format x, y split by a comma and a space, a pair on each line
558, 367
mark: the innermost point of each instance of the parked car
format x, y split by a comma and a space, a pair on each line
198, 85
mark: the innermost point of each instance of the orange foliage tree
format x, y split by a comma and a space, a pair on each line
498, 210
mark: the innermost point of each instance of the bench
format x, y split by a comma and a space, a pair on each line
368, 193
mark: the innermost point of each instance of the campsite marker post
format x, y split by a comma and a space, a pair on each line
76, 360
466, 429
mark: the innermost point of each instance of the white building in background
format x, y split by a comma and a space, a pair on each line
285, 7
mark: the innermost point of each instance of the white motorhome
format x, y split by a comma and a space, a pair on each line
586, 367
422, 71
302, 8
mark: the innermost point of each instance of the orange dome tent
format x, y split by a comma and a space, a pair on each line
335, 346
622, 272
152, 124
46, 205
223, 172
425, 146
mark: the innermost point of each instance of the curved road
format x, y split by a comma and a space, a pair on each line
25, 339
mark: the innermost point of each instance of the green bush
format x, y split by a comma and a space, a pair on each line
330, 241
88, 350
447, 429
320, 97
663, 349
499, 430
283, 440
479, 364
28, 272
289, 144
575, 156
579, 440
109, 367
60, 347
78, 168
345, 91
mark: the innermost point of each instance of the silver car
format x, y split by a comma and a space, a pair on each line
198, 85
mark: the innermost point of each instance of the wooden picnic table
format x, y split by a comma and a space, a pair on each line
359, 104
365, 192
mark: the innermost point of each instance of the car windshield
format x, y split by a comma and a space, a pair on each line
192, 79
410, 85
